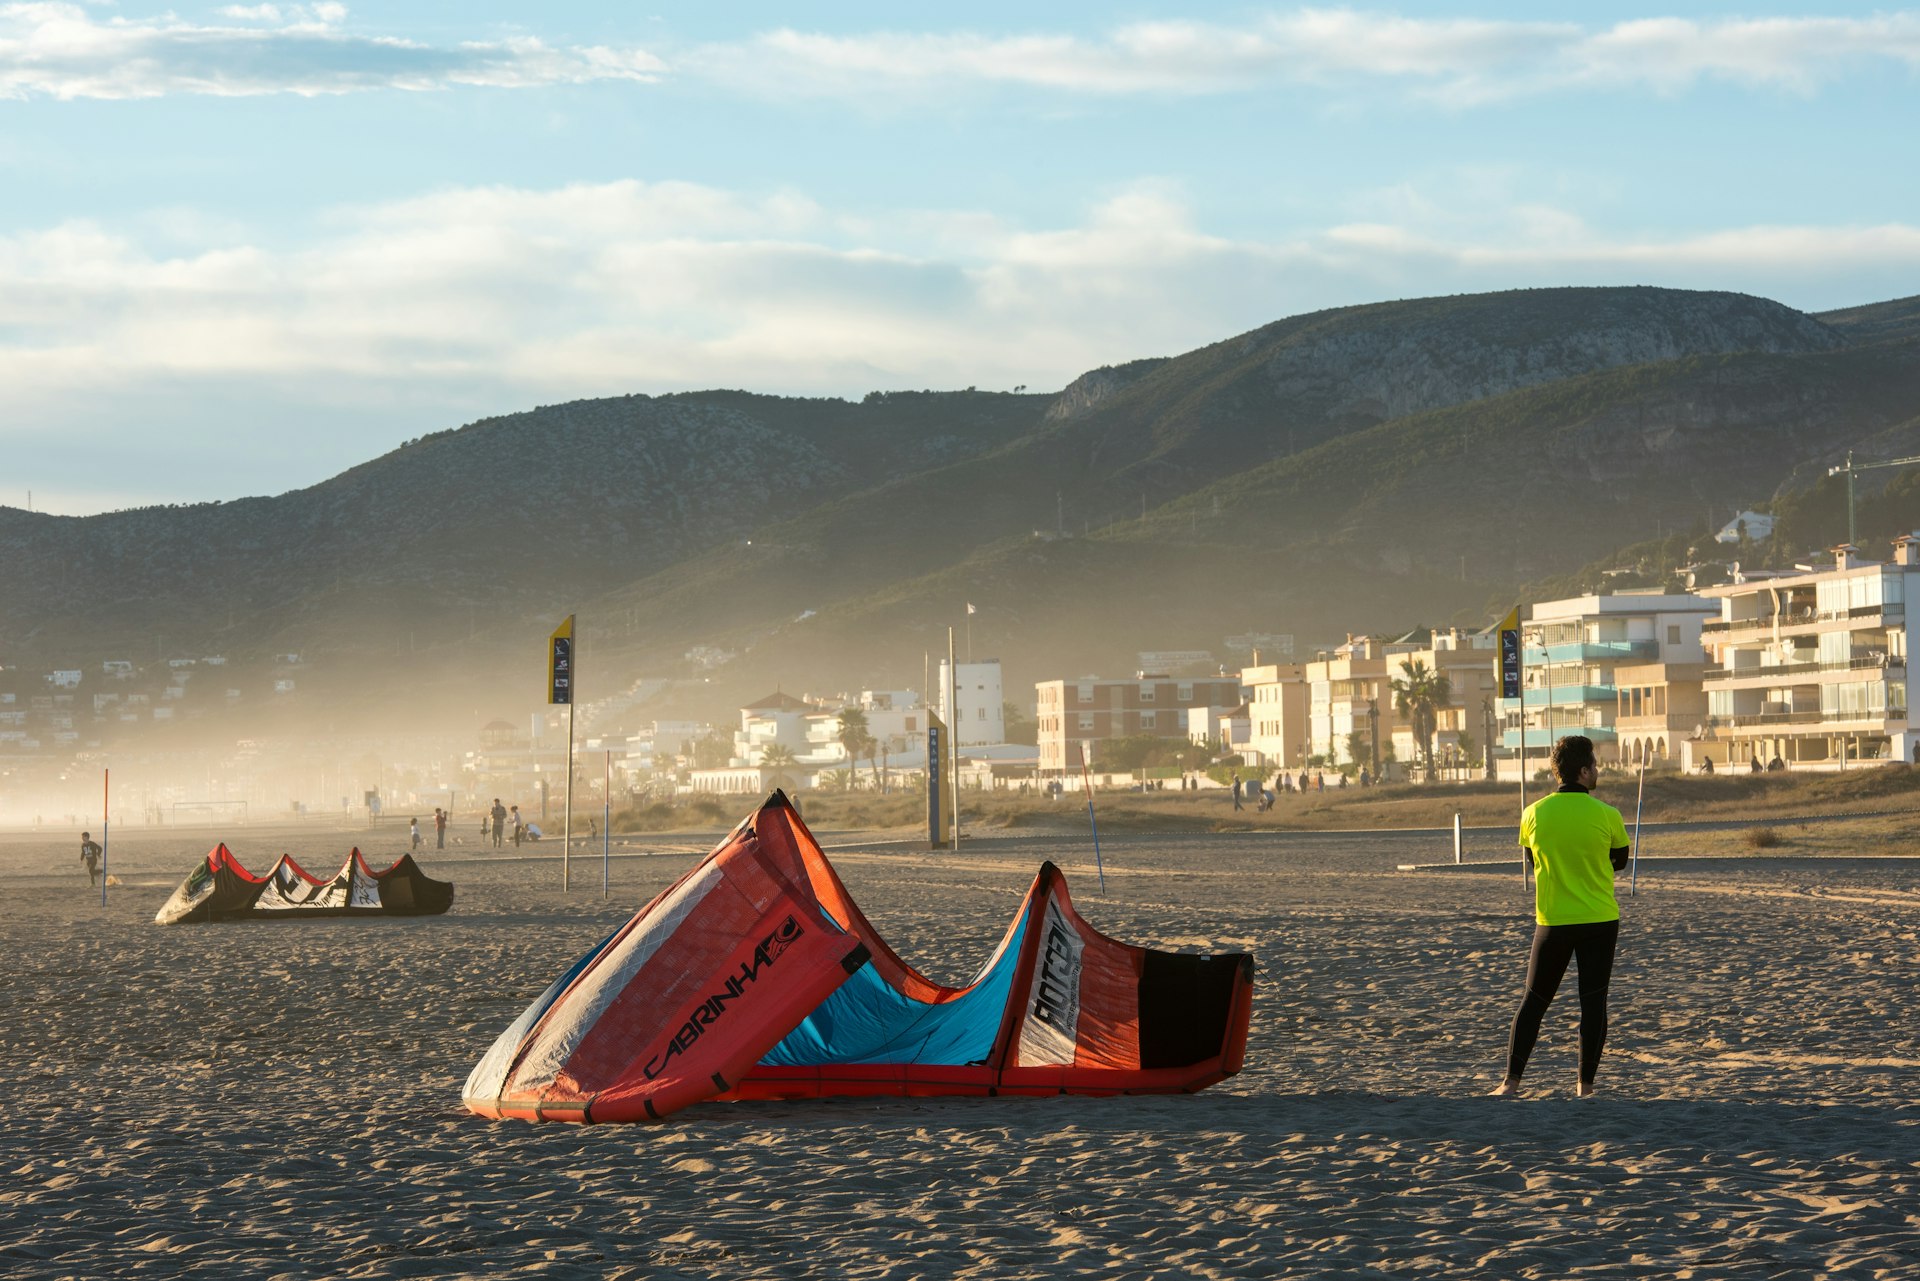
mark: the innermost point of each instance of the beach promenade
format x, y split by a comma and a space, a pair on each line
282, 1099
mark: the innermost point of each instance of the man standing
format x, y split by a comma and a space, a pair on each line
499, 815
519, 826
439, 828
1575, 845
90, 855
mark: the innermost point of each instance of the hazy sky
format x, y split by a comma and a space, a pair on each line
244, 247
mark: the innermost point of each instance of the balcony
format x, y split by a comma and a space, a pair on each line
1863, 616
1762, 720
1644, 651
1562, 696
1865, 663
1539, 739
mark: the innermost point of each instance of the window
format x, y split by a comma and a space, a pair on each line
1086, 692
1184, 692
913, 723
983, 713
1086, 720
1673, 633
1149, 720
1146, 693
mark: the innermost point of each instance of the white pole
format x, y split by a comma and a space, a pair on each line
953, 735
606, 828
1456, 838
106, 828
1633, 882
566, 846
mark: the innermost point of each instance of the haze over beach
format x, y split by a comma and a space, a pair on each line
1263, 432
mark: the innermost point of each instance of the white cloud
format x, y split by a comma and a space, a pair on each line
59, 50
433, 310
1463, 59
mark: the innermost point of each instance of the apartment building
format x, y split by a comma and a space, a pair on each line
1575, 650
1350, 701
1811, 667
978, 713
1078, 715
1277, 728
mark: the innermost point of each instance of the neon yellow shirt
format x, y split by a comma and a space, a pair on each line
1570, 834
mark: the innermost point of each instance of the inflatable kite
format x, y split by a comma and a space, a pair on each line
755, 976
220, 889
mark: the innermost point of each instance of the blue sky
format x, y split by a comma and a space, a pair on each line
243, 247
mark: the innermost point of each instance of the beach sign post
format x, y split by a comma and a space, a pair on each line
106, 828
560, 686
1512, 670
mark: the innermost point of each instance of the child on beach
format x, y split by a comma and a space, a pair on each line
90, 855
1575, 844
413, 832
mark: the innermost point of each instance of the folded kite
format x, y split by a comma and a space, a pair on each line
220, 889
755, 976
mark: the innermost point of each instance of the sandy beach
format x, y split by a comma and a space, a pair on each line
282, 1099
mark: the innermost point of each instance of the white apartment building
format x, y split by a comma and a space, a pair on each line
1811, 667
1572, 649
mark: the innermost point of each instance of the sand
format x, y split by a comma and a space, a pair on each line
282, 1099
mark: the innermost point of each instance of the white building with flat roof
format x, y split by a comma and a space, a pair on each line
1811, 668
978, 714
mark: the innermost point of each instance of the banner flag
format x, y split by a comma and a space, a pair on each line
560, 663
1509, 661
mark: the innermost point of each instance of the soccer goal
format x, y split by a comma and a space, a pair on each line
208, 813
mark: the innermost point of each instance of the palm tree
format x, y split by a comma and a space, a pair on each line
1418, 699
857, 739
779, 758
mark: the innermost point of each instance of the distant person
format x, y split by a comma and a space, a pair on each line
413, 832
519, 827
1775, 765
593, 826
1575, 845
90, 853
1706, 766
1753, 766
440, 818
499, 813
1343, 780
1366, 779
1236, 793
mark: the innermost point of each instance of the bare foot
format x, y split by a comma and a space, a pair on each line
1507, 1089
1584, 1090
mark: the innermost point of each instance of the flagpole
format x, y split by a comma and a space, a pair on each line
606, 826
1086, 777
106, 828
953, 730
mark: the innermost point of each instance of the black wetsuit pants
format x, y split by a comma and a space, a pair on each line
1553, 946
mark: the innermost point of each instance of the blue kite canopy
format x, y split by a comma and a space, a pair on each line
755, 976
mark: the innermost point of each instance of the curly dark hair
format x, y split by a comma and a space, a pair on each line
1571, 755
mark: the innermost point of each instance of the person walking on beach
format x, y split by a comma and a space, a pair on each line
90, 855
1236, 792
499, 814
519, 826
413, 833
440, 817
1575, 844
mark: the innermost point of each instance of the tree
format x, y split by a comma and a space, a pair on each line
1020, 727
779, 758
1418, 698
712, 752
857, 739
